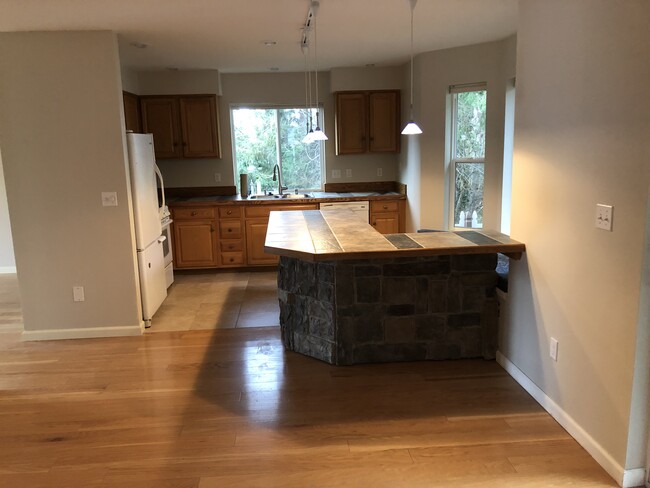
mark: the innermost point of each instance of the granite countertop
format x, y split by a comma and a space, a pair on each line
313, 235
314, 197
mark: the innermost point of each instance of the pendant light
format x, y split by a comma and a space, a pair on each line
412, 128
319, 135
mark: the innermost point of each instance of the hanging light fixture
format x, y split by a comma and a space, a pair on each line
412, 128
319, 135
304, 45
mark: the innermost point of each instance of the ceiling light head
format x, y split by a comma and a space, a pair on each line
139, 45
274, 68
319, 135
413, 3
309, 138
411, 129
270, 43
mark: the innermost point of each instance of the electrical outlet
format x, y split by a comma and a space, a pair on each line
336, 173
217, 177
380, 172
109, 199
553, 349
78, 293
348, 173
604, 216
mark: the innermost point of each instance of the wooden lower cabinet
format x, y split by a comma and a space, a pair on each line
388, 217
195, 244
255, 237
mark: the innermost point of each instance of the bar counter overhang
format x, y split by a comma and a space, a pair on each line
350, 295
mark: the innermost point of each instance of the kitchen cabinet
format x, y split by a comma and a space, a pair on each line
195, 244
183, 126
132, 112
231, 236
367, 122
388, 217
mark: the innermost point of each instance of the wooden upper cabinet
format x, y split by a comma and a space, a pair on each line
200, 127
384, 117
183, 126
160, 117
132, 112
350, 123
367, 121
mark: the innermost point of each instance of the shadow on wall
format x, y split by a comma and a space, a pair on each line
7, 260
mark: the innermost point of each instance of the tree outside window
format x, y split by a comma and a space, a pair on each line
468, 157
264, 137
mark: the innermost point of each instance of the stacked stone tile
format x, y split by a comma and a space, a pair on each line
404, 309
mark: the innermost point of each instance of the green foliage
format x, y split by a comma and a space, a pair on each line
266, 137
470, 119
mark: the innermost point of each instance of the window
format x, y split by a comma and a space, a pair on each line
264, 137
467, 156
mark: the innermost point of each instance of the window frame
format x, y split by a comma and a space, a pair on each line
454, 90
277, 108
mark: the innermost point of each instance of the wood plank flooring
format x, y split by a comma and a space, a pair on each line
228, 407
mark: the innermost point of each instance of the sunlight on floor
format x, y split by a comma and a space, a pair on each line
218, 300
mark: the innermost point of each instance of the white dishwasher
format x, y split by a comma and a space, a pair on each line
361, 210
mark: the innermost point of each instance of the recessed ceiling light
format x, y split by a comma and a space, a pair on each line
269, 43
274, 69
139, 45
370, 65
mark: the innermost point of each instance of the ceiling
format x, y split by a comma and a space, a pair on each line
230, 35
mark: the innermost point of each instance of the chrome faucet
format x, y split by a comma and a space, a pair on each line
279, 179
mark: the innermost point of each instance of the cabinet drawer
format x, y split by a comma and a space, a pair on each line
230, 229
265, 210
229, 212
194, 213
384, 206
230, 245
232, 258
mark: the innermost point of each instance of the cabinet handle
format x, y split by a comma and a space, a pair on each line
194, 212
231, 260
228, 212
211, 228
385, 207
229, 229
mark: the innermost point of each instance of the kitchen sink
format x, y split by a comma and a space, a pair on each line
285, 196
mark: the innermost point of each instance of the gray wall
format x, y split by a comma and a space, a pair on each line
581, 138
424, 158
7, 260
63, 143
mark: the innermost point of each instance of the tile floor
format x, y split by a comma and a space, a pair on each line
219, 300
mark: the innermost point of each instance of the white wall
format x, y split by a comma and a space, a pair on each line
7, 260
434, 72
581, 138
63, 143
367, 78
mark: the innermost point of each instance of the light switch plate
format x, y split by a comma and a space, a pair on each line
78, 293
604, 216
336, 173
380, 172
109, 199
553, 346
348, 173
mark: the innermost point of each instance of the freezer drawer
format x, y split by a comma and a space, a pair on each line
153, 287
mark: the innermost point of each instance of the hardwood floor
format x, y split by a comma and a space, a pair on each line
230, 408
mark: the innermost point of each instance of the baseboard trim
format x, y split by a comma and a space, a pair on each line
626, 478
7, 270
633, 477
87, 333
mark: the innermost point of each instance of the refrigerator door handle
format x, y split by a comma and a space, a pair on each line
163, 209
162, 239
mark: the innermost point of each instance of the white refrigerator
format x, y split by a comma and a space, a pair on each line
148, 231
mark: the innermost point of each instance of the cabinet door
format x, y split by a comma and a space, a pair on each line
160, 118
384, 110
351, 123
200, 127
255, 237
132, 112
386, 223
195, 244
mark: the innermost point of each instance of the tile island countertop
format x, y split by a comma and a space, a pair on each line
312, 235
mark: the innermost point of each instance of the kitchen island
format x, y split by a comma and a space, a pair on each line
350, 295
